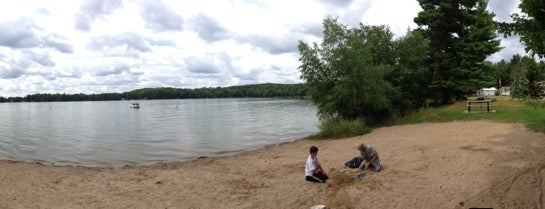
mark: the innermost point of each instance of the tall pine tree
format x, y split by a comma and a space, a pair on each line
461, 35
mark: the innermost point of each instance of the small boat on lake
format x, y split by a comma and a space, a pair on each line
134, 105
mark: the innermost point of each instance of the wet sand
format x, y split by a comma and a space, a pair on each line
430, 165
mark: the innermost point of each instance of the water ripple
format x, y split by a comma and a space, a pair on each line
112, 134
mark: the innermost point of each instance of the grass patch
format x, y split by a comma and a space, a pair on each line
536, 104
529, 113
339, 128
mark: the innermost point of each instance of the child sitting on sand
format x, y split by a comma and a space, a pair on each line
370, 157
313, 169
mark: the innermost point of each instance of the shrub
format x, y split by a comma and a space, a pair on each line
536, 104
339, 128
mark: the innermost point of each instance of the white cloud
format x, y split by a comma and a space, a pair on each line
398, 15
511, 46
97, 46
503, 9
207, 65
208, 28
160, 17
129, 42
23, 33
93, 9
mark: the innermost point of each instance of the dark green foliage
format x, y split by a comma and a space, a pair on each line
528, 77
256, 90
346, 73
502, 73
461, 36
361, 73
529, 25
525, 76
410, 75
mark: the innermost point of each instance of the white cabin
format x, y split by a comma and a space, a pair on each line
486, 92
505, 90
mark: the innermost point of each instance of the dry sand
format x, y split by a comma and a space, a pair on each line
431, 165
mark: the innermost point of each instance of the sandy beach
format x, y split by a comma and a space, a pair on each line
430, 165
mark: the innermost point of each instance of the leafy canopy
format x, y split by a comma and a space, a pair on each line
345, 74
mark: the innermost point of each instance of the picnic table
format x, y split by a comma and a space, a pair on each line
481, 104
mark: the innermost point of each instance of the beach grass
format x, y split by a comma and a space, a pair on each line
339, 128
531, 113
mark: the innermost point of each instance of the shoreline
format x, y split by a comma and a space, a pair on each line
429, 165
224, 154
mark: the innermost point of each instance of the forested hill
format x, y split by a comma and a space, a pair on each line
256, 90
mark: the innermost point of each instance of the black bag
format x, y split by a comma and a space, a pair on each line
354, 163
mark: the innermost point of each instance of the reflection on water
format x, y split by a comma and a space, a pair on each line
110, 133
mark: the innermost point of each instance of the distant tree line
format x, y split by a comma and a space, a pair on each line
255, 90
524, 75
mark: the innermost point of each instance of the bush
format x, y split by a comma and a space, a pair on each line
536, 104
340, 128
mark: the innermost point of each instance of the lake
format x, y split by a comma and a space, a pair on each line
110, 133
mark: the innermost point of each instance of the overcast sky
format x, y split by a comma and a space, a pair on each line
102, 46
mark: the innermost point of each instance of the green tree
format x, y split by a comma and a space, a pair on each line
502, 73
528, 76
461, 36
529, 25
411, 74
345, 74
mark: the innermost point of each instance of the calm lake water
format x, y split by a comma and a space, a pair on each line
110, 133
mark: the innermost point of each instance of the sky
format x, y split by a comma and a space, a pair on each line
106, 46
